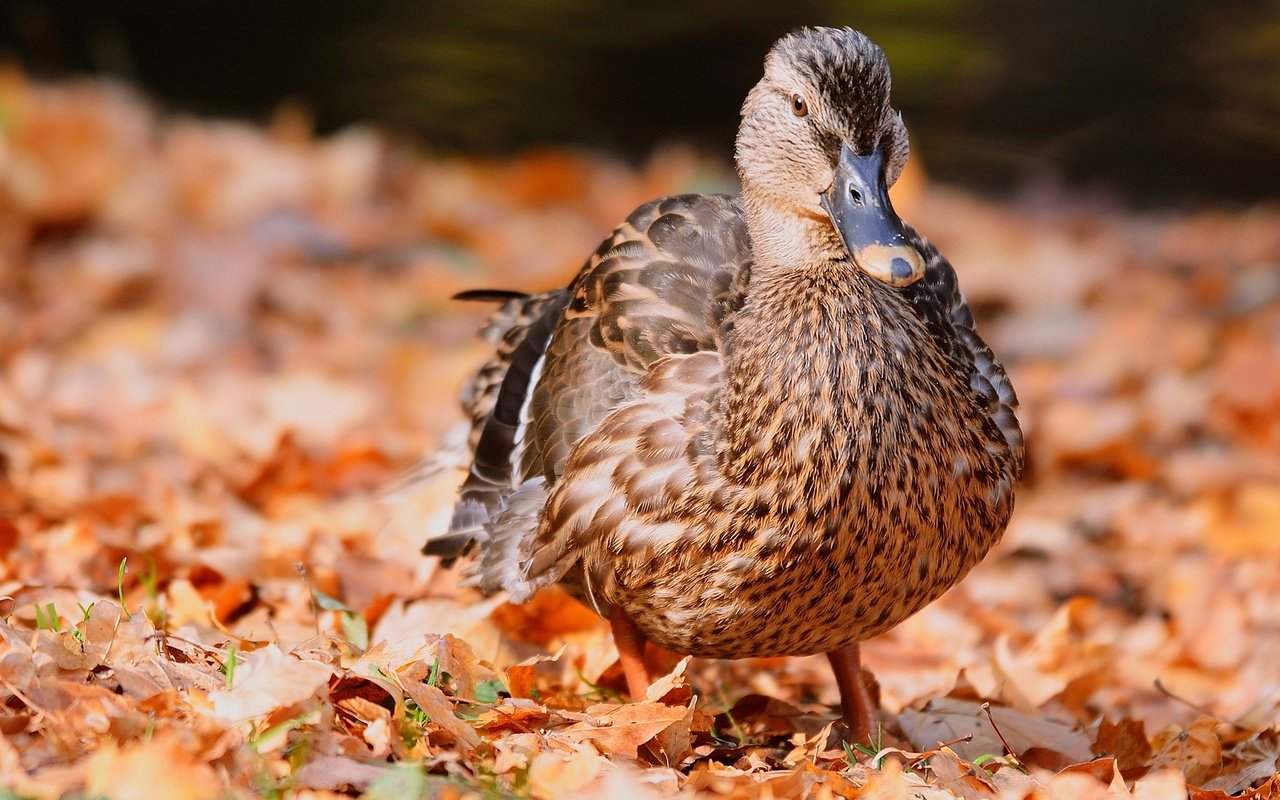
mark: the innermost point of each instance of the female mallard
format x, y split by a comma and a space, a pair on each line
751, 426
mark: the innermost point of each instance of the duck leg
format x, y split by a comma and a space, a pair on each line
659, 659
855, 698
630, 642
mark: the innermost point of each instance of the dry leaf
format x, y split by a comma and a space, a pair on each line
338, 773
433, 701
949, 720
565, 771
622, 729
520, 676
157, 767
266, 680
1195, 752
959, 778
1126, 742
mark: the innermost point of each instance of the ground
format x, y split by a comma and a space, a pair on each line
221, 344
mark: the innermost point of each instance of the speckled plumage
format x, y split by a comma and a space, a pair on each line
731, 431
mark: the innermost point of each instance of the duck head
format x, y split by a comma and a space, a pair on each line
817, 150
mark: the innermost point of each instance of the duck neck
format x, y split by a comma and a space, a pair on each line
788, 235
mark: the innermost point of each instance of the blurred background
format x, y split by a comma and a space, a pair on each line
1161, 102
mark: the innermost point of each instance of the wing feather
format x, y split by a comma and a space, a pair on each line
663, 284
660, 286
938, 300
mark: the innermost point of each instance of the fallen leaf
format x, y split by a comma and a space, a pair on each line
949, 719
1195, 752
157, 767
433, 701
1126, 742
622, 729
565, 771
338, 773
266, 680
520, 677
963, 780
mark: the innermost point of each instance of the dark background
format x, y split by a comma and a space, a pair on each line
1168, 102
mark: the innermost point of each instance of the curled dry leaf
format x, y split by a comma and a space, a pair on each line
1058, 655
1126, 742
1195, 752
960, 778
338, 773
266, 680
622, 729
1249, 762
520, 677
433, 701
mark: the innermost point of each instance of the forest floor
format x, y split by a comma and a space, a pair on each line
219, 344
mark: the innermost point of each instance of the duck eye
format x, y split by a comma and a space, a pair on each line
798, 106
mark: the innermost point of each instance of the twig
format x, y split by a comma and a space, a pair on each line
986, 709
311, 593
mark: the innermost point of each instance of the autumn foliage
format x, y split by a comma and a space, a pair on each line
220, 345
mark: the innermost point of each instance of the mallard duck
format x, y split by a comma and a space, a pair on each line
750, 426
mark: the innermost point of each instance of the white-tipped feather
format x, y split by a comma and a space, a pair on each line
508, 534
520, 442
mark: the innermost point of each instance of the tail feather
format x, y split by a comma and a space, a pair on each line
450, 547
490, 295
508, 535
492, 502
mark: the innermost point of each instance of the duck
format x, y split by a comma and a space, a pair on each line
755, 425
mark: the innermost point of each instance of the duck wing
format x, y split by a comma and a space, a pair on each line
937, 299
664, 284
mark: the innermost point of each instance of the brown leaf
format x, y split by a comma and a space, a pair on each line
157, 767
958, 777
515, 713
565, 771
622, 729
673, 687
1105, 770
268, 679
949, 719
1126, 742
337, 773
450, 657
433, 701
1248, 762
1060, 654
1159, 785
1194, 752
551, 614
1073, 786
520, 677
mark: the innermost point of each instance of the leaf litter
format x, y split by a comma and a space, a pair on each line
220, 343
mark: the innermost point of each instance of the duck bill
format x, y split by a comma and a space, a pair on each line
859, 207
